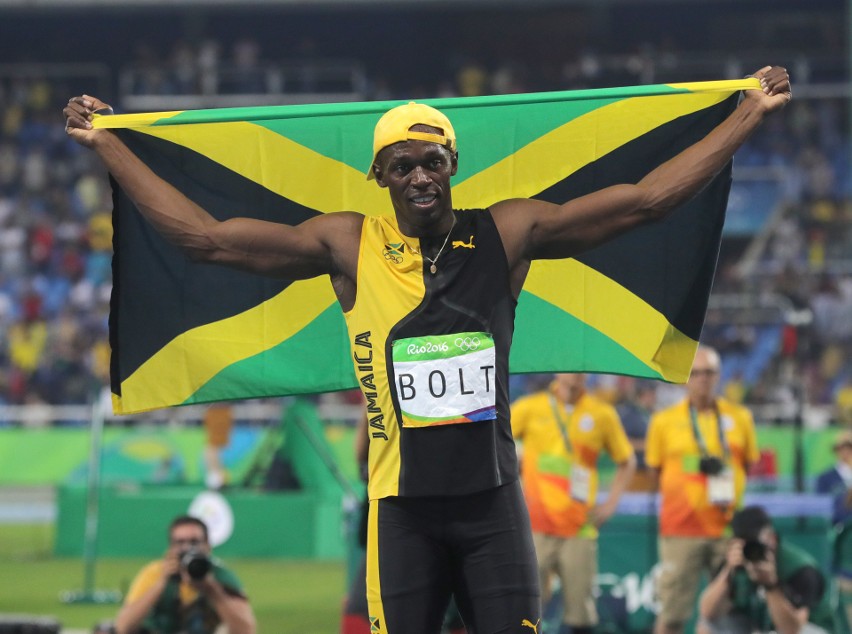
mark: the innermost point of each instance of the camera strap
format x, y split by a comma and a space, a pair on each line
699, 437
580, 477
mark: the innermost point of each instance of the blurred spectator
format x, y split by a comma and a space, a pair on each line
837, 481
55, 257
208, 66
54, 208
247, 74
635, 407
218, 421
701, 448
843, 402
735, 388
188, 590
184, 71
563, 431
766, 585
471, 79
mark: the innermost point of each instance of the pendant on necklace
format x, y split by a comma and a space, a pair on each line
433, 269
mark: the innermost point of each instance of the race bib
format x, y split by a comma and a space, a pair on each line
445, 379
720, 488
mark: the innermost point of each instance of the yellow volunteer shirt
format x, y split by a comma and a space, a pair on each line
147, 579
671, 446
560, 480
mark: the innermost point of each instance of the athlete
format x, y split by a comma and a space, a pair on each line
447, 515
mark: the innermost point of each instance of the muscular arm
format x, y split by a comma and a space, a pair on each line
536, 229
326, 244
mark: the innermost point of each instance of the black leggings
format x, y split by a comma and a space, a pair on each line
478, 547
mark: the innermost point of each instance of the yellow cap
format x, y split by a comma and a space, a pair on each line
395, 127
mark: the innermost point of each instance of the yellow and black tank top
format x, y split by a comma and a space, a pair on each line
431, 353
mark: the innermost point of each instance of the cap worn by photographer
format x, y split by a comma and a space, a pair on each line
748, 522
395, 127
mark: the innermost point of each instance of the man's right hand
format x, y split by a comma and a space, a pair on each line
734, 555
78, 116
171, 565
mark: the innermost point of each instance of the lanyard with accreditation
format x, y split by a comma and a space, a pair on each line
720, 475
581, 478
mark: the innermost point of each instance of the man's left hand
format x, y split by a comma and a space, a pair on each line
600, 514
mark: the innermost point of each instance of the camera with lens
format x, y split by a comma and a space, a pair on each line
754, 550
711, 465
196, 563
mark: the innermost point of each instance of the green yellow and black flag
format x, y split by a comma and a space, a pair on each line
185, 333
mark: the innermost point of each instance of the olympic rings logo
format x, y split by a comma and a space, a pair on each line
467, 343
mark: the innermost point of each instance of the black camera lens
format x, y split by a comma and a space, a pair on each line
196, 563
711, 465
754, 550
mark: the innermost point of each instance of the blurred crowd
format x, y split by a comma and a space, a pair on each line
793, 276
55, 254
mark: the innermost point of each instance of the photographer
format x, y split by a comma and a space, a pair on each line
186, 592
700, 449
765, 585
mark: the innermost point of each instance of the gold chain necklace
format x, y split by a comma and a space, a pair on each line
434, 262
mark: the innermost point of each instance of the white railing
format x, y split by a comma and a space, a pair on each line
260, 412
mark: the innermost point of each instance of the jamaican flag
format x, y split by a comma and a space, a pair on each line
184, 332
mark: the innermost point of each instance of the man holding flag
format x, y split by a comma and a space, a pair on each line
429, 297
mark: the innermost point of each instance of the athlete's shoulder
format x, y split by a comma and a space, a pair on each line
473, 217
336, 224
353, 218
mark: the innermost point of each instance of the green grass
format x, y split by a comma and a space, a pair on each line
288, 597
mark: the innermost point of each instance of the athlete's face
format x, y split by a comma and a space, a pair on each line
417, 175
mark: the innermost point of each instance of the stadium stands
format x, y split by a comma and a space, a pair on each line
787, 241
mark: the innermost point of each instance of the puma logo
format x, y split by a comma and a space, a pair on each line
467, 245
531, 625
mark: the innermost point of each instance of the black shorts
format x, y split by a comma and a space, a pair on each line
477, 547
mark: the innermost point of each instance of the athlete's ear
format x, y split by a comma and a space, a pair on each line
454, 161
379, 175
